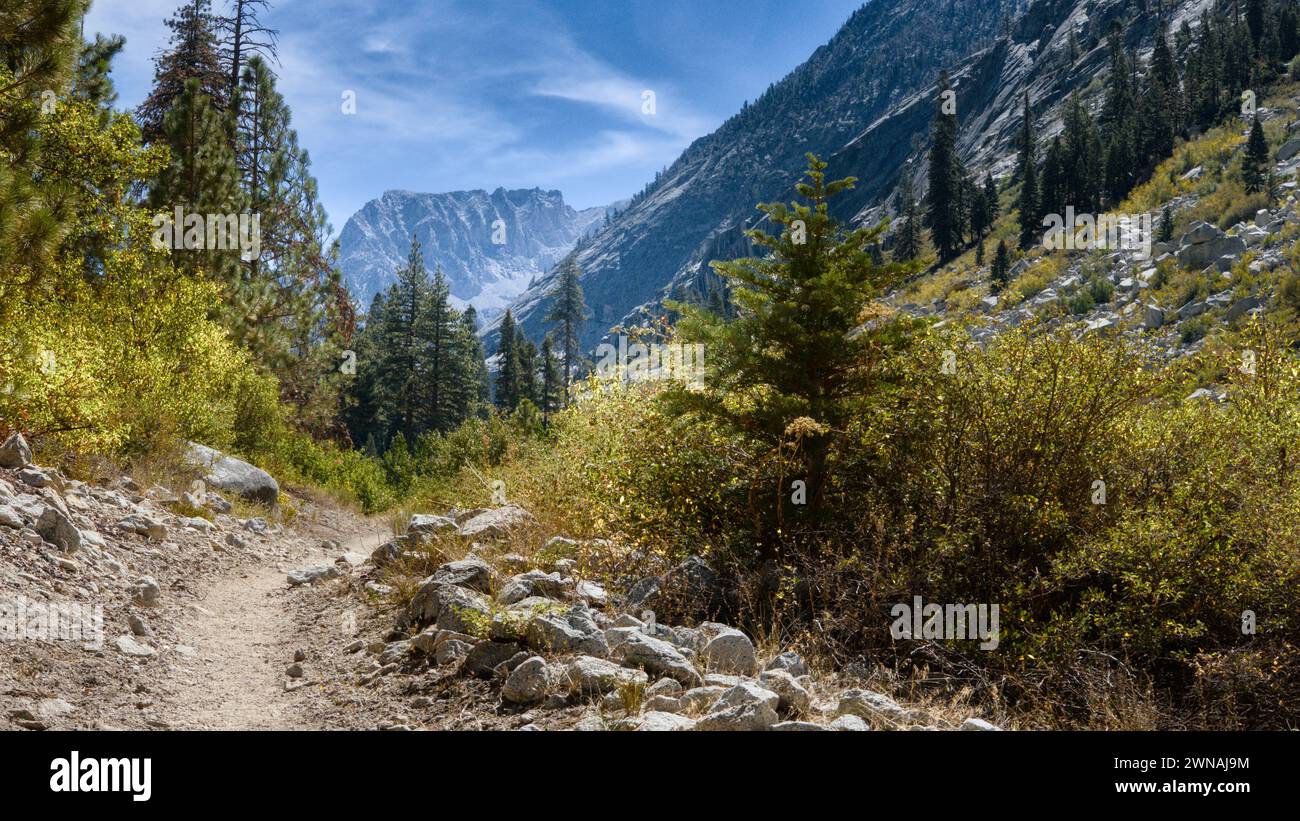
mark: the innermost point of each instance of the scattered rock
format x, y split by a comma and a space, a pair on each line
55, 527
234, 476
758, 715
658, 658
128, 646
527, 683
657, 721
979, 724
312, 575
729, 651
496, 524
15, 452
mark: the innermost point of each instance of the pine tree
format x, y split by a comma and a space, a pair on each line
39, 44
944, 207
1166, 225
201, 179
192, 56
907, 246
438, 329
399, 337
526, 353
93, 83
1028, 202
475, 392
991, 199
507, 385
1255, 161
569, 309
790, 351
551, 394
242, 36
1000, 276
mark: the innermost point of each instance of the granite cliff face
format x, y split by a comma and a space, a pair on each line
456, 232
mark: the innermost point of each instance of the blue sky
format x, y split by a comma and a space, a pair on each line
456, 95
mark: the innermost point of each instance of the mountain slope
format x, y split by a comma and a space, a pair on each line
455, 231
864, 101
886, 51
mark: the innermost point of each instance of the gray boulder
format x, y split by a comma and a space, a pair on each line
234, 475
752, 716
573, 631
658, 721
850, 723
588, 676
795, 700
498, 523
872, 706
58, 529
658, 658
791, 662
745, 693
527, 683
425, 525
15, 452
472, 573
729, 651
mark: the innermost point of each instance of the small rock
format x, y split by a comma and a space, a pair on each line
130, 647
979, 724
850, 723
527, 683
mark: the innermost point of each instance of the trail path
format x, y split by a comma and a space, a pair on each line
241, 639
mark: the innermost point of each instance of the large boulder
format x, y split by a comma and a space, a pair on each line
15, 452
659, 658
573, 631
498, 523
234, 476
425, 525
729, 651
471, 572
1205, 245
588, 676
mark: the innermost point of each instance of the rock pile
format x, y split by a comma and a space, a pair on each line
549, 643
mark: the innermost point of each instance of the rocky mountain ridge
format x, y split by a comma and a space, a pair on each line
490, 245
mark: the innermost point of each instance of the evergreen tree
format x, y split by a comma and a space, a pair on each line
1255, 161
201, 179
39, 44
507, 385
1000, 276
907, 245
93, 83
1028, 202
192, 55
474, 392
991, 199
1166, 225
399, 338
242, 36
944, 206
569, 309
551, 393
439, 327
526, 354
789, 356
